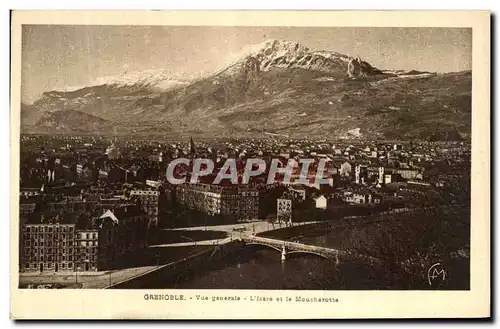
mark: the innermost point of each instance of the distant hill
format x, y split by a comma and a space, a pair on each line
279, 87
70, 122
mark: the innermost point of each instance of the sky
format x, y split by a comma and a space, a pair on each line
57, 57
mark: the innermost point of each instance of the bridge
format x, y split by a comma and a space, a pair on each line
287, 248
230, 245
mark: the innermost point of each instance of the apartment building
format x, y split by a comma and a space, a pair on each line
92, 244
239, 202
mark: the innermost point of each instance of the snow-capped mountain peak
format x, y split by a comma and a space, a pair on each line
153, 79
289, 54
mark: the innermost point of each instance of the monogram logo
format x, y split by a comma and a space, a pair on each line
436, 272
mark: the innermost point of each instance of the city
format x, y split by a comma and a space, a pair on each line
99, 212
274, 158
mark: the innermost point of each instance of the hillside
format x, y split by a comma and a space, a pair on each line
70, 122
279, 87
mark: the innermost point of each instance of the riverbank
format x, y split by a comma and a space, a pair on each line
180, 236
194, 264
407, 242
96, 280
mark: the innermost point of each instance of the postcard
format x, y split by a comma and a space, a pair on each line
250, 164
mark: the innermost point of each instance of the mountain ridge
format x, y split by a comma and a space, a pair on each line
286, 88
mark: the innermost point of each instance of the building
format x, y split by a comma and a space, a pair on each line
345, 169
26, 209
361, 174
389, 178
381, 175
29, 192
284, 210
150, 201
238, 202
392, 177
363, 197
85, 244
241, 203
103, 174
121, 231
298, 193
321, 202
202, 197
83, 172
79, 169
409, 174
47, 247
87, 250
51, 176
113, 152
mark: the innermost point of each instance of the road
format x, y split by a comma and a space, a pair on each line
234, 231
193, 243
98, 280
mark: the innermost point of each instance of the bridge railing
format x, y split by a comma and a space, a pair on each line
316, 249
291, 245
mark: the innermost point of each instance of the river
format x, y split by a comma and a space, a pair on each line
257, 267
261, 268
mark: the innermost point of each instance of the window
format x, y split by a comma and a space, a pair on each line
70, 265
63, 265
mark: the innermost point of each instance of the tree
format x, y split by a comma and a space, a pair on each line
408, 244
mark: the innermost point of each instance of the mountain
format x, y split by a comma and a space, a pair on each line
109, 97
282, 87
70, 121
153, 80
273, 54
29, 115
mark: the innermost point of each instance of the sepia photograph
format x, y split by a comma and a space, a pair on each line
165, 160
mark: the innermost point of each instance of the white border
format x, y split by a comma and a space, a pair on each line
257, 4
